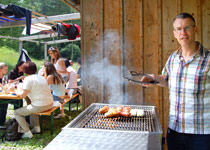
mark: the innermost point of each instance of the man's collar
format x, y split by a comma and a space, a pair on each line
202, 51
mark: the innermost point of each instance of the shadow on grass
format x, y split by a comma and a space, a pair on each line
39, 141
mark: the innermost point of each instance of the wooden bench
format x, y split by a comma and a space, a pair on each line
68, 100
51, 111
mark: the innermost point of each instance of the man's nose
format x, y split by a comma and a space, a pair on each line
183, 30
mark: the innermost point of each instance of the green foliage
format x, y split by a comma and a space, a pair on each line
70, 49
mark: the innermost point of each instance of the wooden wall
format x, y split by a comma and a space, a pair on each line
123, 35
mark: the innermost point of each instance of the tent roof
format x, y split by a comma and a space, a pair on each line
39, 22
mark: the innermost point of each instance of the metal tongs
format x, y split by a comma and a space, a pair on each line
135, 73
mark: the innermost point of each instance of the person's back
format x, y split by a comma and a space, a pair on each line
57, 85
72, 83
39, 91
79, 72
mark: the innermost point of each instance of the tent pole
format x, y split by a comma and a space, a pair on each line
45, 51
20, 46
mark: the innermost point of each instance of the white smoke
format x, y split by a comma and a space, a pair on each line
105, 72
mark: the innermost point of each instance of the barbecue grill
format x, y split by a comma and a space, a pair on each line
91, 130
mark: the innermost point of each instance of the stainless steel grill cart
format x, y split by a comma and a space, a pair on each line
92, 131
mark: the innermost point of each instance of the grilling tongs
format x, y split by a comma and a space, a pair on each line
134, 73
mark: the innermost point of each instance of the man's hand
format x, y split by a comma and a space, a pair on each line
147, 79
159, 78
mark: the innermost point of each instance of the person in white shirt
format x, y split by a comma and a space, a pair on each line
35, 87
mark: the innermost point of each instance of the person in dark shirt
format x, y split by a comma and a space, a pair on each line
16, 74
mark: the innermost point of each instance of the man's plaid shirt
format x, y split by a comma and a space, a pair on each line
189, 92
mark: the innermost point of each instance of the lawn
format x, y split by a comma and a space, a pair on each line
39, 141
10, 57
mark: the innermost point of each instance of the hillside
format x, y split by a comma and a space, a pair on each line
10, 57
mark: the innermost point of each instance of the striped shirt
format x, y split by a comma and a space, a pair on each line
189, 91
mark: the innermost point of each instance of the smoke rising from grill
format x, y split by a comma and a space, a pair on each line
109, 78
104, 72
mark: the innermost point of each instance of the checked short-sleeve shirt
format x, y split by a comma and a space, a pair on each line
189, 92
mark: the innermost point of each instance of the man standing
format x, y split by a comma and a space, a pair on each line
187, 75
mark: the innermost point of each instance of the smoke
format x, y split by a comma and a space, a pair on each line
103, 71
108, 77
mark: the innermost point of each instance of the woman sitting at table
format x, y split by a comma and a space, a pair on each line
16, 74
35, 87
3, 107
57, 85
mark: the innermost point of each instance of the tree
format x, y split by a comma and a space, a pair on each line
71, 52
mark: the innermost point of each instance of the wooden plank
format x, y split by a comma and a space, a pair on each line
92, 51
151, 47
132, 58
14, 38
205, 22
160, 65
41, 36
193, 8
169, 10
62, 41
112, 65
64, 17
48, 112
141, 49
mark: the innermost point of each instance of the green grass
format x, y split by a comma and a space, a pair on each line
10, 57
39, 141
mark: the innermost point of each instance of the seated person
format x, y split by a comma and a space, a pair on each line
71, 85
57, 85
4, 106
35, 87
16, 75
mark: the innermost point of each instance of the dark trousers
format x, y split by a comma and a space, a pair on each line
181, 141
3, 113
3, 109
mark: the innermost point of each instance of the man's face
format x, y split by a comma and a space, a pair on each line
184, 31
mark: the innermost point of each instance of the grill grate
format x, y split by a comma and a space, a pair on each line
95, 120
